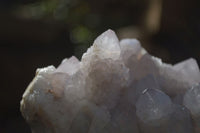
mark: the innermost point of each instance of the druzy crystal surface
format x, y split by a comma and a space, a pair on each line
117, 87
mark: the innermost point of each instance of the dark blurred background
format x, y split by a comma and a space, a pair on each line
37, 33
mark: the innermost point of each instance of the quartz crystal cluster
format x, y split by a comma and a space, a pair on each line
117, 87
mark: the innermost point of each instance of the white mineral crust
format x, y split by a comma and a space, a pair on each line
117, 87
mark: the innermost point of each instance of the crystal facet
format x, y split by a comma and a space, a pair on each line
117, 87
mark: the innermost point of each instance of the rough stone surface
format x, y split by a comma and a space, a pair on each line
117, 87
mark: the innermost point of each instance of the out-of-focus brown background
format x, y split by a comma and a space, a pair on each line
37, 33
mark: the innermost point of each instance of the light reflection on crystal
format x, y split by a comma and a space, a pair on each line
117, 87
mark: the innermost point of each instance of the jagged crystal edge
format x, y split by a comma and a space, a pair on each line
116, 87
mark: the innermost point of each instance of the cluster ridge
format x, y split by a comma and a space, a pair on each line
117, 87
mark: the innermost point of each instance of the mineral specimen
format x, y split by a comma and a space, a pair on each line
117, 87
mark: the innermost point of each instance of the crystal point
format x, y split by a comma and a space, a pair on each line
69, 66
116, 87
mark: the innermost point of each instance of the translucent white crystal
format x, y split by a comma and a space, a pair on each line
180, 77
107, 41
117, 87
130, 47
69, 66
131, 53
189, 69
107, 78
44, 103
105, 46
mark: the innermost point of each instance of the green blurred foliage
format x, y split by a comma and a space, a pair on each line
80, 21
84, 19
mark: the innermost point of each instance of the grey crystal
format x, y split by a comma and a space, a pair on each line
116, 87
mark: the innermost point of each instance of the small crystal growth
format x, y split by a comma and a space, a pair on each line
117, 87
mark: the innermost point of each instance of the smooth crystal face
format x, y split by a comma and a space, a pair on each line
153, 106
116, 87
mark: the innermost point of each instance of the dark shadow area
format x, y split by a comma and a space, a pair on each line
38, 33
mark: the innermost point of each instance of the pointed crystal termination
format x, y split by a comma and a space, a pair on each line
153, 110
191, 100
107, 41
179, 78
189, 69
117, 87
105, 46
130, 48
131, 53
69, 66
